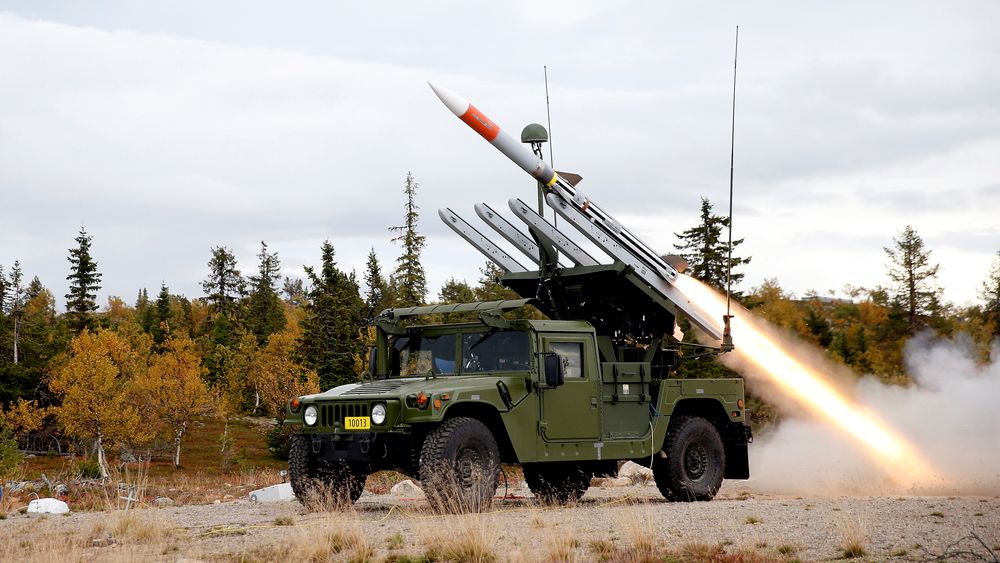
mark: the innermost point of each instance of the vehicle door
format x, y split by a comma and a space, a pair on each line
571, 410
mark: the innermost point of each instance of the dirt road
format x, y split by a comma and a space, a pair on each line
619, 523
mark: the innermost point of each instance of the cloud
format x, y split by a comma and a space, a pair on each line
167, 133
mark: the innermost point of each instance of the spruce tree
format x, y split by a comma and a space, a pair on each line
990, 294
913, 277
160, 316
224, 285
706, 250
409, 281
330, 338
295, 292
377, 294
84, 281
265, 311
14, 302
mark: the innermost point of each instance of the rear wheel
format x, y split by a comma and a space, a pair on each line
556, 483
459, 466
321, 483
695, 462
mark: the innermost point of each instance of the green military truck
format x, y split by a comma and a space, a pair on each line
567, 398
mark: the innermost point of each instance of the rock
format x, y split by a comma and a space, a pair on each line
406, 489
107, 540
216, 501
47, 506
60, 490
281, 492
163, 501
619, 482
631, 469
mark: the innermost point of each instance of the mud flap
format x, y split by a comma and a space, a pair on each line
737, 461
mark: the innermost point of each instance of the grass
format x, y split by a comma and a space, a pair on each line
854, 536
206, 474
752, 520
467, 539
787, 549
284, 521
395, 541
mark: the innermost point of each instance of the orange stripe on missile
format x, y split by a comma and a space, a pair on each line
482, 124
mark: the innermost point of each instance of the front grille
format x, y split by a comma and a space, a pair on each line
334, 414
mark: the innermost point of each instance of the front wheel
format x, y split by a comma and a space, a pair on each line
320, 483
695, 461
459, 466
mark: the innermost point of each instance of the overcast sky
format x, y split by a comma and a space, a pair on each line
166, 128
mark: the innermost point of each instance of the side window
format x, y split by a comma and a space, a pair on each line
572, 357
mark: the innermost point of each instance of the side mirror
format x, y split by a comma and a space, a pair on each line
553, 366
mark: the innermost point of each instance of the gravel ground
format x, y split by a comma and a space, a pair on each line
741, 518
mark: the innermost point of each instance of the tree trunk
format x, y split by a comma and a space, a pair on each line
17, 335
256, 399
178, 436
102, 461
225, 437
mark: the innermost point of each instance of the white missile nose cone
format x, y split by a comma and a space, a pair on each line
453, 101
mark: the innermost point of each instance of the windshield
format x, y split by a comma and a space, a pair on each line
495, 351
422, 355
485, 351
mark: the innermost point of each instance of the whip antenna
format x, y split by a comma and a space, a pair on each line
732, 152
548, 114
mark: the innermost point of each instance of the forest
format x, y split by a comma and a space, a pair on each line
130, 379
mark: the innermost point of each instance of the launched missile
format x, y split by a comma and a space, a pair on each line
594, 223
496, 136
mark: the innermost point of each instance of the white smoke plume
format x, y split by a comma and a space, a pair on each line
951, 415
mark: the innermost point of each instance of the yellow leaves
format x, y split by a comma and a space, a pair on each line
23, 417
278, 377
269, 374
94, 384
173, 388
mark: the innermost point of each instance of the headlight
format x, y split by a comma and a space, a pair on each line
310, 415
378, 414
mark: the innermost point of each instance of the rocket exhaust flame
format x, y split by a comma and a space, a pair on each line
808, 388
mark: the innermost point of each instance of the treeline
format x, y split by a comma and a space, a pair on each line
134, 376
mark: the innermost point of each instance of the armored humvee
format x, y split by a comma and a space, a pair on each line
567, 397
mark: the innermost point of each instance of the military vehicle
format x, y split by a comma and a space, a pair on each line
568, 397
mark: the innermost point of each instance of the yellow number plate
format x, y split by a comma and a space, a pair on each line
357, 423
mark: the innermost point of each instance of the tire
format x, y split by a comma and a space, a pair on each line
460, 466
323, 484
556, 483
695, 462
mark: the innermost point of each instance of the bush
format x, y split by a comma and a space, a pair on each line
88, 469
10, 455
279, 441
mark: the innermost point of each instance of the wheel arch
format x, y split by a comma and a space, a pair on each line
490, 416
732, 433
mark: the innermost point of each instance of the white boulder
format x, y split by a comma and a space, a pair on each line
47, 506
281, 492
406, 489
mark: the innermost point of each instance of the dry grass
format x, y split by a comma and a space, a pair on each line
330, 541
854, 532
461, 539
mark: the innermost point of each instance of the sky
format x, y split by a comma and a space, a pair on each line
169, 128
